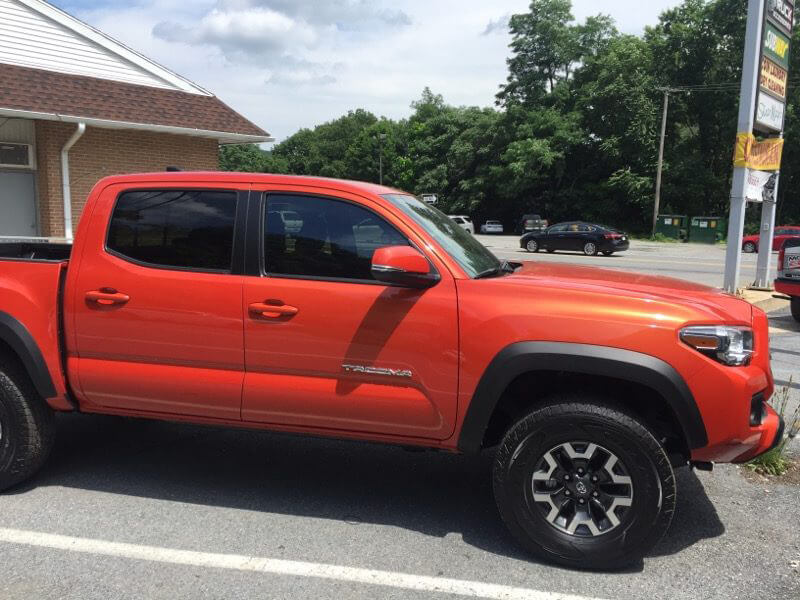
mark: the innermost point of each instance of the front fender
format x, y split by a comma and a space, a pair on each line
524, 357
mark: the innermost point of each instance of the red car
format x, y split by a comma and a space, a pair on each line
188, 297
782, 233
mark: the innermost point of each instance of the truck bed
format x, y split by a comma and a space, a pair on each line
35, 251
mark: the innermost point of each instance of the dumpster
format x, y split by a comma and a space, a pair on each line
673, 226
707, 230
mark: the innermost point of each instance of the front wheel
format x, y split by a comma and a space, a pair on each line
590, 249
532, 246
749, 247
584, 485
795, 306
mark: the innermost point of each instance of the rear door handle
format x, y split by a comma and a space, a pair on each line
107, 297
272, 311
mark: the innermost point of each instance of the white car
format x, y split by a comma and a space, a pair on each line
464, 222
492, 227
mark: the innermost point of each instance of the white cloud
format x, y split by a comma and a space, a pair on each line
287, 64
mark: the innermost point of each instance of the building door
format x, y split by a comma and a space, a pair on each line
17, 204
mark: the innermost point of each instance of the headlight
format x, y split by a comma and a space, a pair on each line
726, 344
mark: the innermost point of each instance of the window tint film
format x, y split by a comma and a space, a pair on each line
306, 236
175, 228
468, 252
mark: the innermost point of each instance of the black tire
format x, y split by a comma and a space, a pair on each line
590, 249
567, 421
550, 251
607, 253
532, 246
749, 247
795, 306
27, 428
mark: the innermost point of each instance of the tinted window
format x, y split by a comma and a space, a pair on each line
320, 237
557, 228
186, 229
468, 252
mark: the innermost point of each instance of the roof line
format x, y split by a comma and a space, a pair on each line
224, 137
109, 43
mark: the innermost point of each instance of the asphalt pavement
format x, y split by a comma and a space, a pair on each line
700, 263
146, 509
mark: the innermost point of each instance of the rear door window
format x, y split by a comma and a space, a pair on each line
182, 229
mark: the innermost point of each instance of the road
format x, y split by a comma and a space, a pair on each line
699, 263
144, 509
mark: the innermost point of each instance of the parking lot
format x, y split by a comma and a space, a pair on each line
700, 263
141, 509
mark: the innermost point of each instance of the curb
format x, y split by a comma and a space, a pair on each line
771, 304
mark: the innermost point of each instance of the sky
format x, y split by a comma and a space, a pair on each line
289, 64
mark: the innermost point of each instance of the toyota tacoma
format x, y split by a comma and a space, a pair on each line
188, 297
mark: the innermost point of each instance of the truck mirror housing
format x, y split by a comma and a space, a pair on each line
403, 266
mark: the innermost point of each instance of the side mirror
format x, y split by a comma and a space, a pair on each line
404, 266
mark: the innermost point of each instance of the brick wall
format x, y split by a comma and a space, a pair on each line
102, 152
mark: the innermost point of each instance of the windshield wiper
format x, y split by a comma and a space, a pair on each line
503, 267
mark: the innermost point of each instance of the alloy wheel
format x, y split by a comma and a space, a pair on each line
590, 249
582, 489
532, 246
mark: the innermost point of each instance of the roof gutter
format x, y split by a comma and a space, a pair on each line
223, 137
65, 186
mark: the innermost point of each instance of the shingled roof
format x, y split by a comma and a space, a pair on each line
50, 94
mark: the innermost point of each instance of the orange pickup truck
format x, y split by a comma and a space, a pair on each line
352, 310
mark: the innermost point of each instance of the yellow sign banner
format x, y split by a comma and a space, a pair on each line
762, 156
773, 78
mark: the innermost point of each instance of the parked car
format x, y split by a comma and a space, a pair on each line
588, 238
531, 223
782, 233
492, 227
788, 281
464, 222
184, 298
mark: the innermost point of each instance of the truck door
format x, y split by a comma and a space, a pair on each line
157, 303
327, 346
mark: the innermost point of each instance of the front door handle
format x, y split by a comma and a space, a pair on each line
107, 297
272, 311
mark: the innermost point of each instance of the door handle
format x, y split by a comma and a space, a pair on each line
107, 297
272, 311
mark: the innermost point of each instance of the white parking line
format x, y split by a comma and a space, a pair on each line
472, 589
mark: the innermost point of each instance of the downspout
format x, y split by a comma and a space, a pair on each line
65, 187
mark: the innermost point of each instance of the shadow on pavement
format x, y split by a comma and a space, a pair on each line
432, 493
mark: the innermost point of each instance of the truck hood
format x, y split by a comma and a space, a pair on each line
720, 305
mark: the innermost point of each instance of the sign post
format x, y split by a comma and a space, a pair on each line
747, 109
770, 117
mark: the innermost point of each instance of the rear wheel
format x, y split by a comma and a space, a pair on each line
749, 247
795, 305
590, 249
584, 485
532, 246
26, 427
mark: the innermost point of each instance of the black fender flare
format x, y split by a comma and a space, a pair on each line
21, 342
626, 365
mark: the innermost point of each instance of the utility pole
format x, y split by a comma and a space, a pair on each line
657, 205
746, 122
381, 137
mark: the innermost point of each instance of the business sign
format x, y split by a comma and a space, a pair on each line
764, 155
760, 186
769, 113
773, 79
781, 12
776, 45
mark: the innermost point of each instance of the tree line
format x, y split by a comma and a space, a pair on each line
575, 128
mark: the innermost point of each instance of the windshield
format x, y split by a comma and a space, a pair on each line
468, 252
